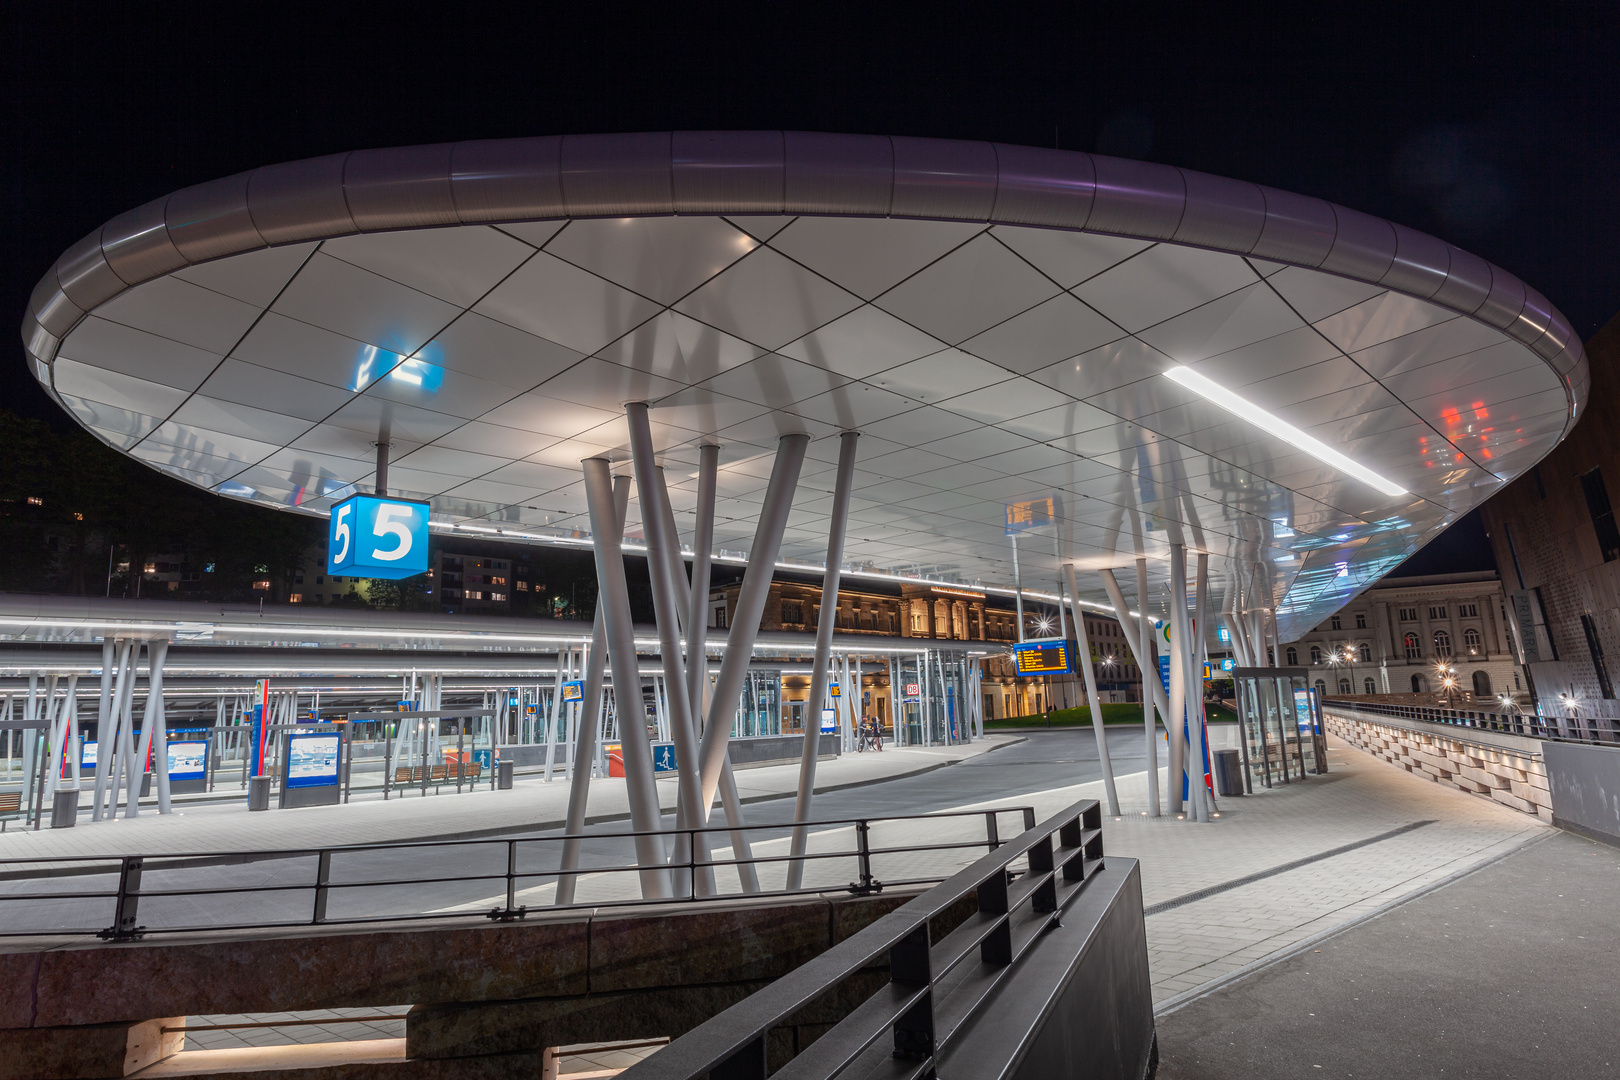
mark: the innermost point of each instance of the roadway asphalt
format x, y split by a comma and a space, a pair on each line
1044, 760
1509, 972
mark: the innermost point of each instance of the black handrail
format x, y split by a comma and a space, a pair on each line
1525, 725
131, 868
1013, 909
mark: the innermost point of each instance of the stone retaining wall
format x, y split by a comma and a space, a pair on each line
1513, 776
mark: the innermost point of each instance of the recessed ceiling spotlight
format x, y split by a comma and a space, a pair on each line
1247, 410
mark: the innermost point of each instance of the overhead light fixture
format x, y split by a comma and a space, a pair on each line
1288, 433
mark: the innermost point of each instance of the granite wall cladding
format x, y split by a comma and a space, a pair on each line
1516, 778
477, 991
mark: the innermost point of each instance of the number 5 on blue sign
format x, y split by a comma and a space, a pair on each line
378, 538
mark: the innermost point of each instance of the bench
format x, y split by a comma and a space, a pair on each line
10, 807
406, 775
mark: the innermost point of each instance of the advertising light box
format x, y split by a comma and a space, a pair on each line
312, 760
1053, 656
186, 760
376, 537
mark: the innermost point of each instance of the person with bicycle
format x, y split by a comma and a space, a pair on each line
874, 732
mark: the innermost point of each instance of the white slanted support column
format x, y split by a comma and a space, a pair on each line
1083, 647
156, 653
137, 764
553, 716
1132, 630
1183, 662
53, 718
1200, 655
104, 729
699, 688
825, 625
613, 595
1177, 719
113, 748
751, 597
697, 618
1018, 587
71, 734
663, 566
590, 720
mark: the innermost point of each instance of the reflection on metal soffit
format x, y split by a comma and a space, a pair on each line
998, 321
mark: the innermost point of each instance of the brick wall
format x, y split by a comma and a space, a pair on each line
1512, 777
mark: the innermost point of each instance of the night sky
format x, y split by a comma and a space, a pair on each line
1496, 127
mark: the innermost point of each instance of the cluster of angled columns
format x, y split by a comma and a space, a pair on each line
1188, 654
700, 715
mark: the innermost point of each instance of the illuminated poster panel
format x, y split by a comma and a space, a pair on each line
186, 760
312, 760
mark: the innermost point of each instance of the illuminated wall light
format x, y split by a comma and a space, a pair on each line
1247, 410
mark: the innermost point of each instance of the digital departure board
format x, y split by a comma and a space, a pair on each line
1054, 656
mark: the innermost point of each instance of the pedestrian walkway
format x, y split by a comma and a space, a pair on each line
1264, 876
1507, 972
531, 804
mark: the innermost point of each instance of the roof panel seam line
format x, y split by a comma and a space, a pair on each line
228, 353
357, 394
1373, 378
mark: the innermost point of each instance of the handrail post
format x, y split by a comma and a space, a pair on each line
323, 875
863, 861
992, 830
911, 965
126, 908
691, 863
511, 875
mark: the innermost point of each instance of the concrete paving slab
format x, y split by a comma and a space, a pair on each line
1506, 972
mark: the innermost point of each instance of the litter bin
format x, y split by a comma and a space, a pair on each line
65, 809
1228, 773
503, 775
259, 792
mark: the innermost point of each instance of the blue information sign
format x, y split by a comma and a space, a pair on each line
573, 691
1053, 656
377, 537
663, 757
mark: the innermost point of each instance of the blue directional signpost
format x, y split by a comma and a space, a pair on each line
376, 537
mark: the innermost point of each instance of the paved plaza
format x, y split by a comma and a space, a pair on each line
1276, 872
531, 805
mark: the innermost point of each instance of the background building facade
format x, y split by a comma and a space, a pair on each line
1395, 638
1557, 548
952, 613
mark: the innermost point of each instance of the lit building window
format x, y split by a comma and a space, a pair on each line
262, 586
296, 598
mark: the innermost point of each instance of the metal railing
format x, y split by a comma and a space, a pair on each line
1527, 725
1020, 891
320, 879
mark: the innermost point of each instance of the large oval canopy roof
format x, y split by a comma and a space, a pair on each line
1001, 323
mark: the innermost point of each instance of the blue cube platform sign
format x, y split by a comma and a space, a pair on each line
376, 537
